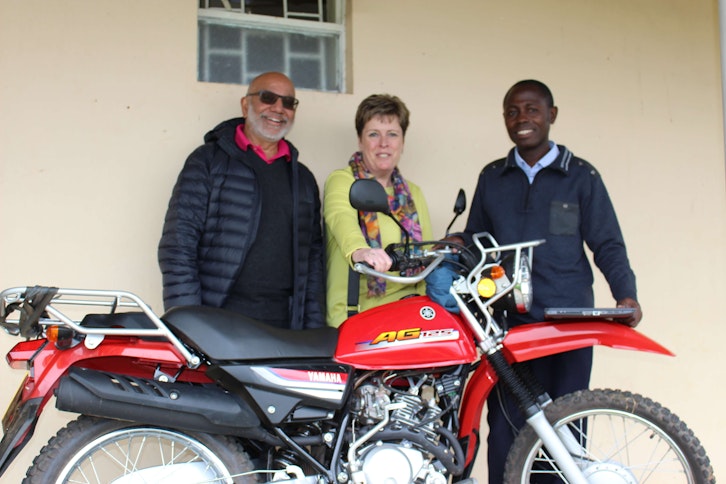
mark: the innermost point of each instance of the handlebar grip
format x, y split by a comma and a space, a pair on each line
397, 259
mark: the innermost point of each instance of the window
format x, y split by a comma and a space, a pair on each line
302, 38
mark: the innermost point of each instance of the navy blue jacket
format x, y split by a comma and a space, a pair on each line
567, 204
212, 221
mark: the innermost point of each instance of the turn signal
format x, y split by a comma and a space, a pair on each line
497, 272
60, 335
51, 332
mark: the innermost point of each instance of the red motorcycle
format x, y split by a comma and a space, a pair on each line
395, 395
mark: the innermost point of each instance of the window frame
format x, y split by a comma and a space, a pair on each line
241, 19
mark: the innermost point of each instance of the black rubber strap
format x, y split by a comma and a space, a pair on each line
353, 292
31, 309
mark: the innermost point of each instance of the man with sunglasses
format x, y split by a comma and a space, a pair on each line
243, 231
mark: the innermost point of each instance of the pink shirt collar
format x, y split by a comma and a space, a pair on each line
283, 150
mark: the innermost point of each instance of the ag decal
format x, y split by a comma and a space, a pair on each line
409, 336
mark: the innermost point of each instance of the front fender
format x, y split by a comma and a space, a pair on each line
530, 341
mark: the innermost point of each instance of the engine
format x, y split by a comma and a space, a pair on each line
401, 433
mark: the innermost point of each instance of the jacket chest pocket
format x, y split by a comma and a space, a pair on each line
564, 218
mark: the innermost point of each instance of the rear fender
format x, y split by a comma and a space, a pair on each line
47, 364
18, 426
530, 341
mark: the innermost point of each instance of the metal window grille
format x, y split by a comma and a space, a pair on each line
239, 40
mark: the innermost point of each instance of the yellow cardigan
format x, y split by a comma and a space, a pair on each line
344, 236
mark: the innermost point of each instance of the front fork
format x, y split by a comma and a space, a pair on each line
560, 446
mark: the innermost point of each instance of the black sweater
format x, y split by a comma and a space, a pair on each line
212, 221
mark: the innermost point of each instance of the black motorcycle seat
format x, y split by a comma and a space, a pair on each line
224, 335
128, 320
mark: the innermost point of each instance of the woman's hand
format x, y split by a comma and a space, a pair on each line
376, 258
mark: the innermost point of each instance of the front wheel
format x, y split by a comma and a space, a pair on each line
622, 438
99, 451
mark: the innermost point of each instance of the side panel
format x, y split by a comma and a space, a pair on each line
411, 333
531, 341
296, 391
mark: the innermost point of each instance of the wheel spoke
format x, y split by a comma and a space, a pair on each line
138, 453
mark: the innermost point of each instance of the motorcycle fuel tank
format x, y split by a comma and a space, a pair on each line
411, 333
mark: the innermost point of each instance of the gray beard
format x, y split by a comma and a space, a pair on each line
254, 121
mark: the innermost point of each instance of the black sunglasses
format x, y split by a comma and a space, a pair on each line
269, 97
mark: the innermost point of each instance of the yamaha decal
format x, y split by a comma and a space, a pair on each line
328, 385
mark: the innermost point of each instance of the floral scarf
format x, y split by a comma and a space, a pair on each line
402, 207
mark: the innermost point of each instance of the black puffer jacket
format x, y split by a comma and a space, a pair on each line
212, 221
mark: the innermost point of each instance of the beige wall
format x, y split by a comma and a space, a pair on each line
99, 106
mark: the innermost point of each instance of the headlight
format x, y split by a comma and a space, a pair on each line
522, 292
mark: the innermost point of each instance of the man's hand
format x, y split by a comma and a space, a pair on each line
455, 239
633, 320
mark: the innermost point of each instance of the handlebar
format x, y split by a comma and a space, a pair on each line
516, 286
407, 259
364, 268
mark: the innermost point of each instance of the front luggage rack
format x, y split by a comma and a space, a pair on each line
40, 306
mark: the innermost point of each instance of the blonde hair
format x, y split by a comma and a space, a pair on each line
384, 105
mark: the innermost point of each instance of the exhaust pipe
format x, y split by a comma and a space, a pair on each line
190, 406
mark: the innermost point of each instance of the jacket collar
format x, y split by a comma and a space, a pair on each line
561, 163
223, 134
283, 149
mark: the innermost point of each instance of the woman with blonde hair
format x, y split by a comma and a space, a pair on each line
381, 122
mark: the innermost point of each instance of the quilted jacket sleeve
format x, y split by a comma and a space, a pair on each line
183, 227
315, 293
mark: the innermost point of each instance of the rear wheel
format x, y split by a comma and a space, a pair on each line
99, 451
626, 439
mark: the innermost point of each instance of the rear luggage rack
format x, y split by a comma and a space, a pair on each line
40, 306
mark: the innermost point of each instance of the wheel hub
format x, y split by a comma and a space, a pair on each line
608, 473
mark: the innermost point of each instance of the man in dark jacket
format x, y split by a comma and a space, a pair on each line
243, 230
542, 191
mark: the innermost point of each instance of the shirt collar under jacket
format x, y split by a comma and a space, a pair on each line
543, 162
283, 150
